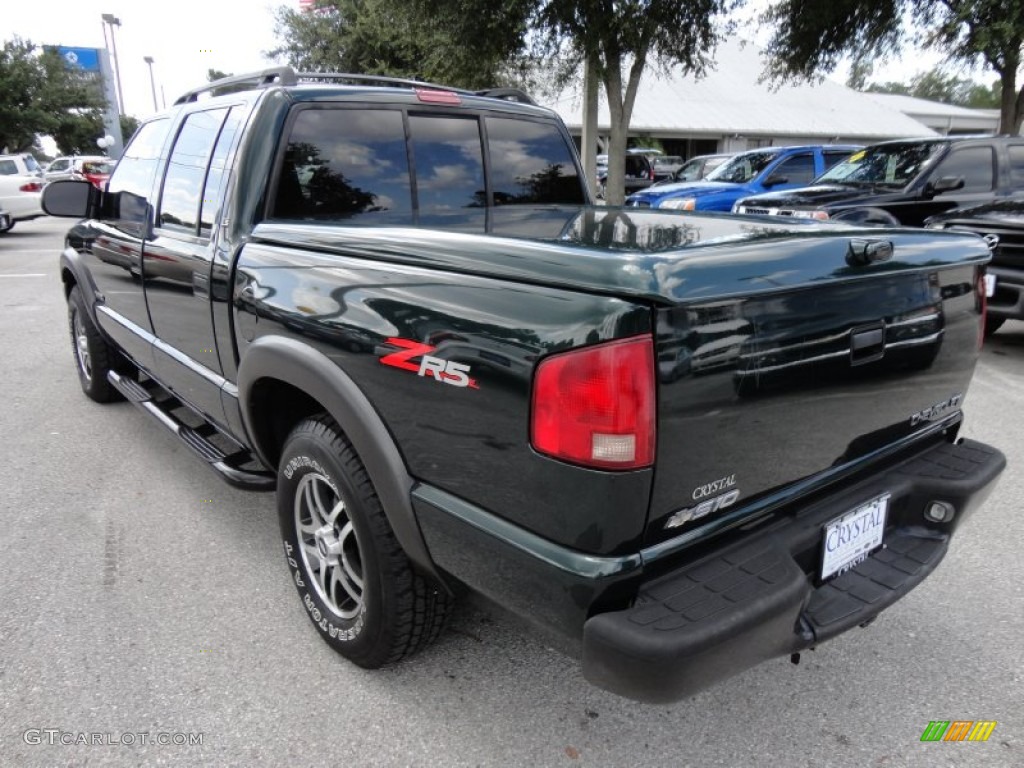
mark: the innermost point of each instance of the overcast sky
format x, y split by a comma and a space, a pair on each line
188, 37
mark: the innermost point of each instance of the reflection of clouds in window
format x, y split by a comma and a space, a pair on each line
517, 161
180, 198
444, 176
352, 159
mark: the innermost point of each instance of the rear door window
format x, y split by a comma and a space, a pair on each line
798, 169
530, 162
1016, 166
342, 162
215, 175
975, 164
8, 167
186, 171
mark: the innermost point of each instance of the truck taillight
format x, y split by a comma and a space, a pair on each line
595, 406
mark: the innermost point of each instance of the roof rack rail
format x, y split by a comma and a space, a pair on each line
508, 94
382, 79
261, 79
288, 76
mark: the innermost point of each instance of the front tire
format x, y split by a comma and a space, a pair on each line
355, 581
94, 357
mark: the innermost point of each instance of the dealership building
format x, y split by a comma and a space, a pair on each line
731, 109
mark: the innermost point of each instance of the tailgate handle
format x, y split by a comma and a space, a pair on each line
867, 343
865, 252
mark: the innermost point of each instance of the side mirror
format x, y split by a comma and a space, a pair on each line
945, 184
774, 181
79, 199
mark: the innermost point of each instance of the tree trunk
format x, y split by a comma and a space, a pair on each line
616, 183
620, 108
1011, 108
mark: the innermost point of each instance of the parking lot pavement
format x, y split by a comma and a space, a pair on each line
143, 597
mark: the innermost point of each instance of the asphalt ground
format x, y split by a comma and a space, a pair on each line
144, 600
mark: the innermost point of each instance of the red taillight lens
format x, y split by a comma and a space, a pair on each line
595, 406
32, 186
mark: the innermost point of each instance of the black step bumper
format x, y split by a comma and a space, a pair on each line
759, 598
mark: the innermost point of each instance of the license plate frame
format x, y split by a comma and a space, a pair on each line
846, 540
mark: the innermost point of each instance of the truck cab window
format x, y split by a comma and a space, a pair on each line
531, 163
341, 162
449, 162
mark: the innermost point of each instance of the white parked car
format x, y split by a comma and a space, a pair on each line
22, 164
21, 198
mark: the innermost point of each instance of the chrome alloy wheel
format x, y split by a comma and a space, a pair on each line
81, 341
329, 547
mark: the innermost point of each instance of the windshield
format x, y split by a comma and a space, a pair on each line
894, 164
743, 168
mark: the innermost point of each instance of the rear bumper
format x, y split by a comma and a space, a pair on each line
759, 598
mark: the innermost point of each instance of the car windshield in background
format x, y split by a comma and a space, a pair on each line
891, 164
743, 168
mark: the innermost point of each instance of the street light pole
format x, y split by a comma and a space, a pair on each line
111, 20
152, 82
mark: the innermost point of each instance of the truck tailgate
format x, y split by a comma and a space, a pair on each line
837, 353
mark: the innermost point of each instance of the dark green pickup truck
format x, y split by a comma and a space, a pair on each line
682, 443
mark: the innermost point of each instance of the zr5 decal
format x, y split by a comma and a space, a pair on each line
444, 371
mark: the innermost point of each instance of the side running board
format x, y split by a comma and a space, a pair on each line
161, 405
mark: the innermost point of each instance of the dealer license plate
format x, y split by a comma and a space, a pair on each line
848, 540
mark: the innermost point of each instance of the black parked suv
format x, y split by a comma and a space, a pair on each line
1001, 224
903, 182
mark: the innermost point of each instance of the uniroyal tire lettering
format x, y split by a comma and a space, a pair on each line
439, 369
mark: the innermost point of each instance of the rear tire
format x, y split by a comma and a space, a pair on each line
94, 357
356, 583
8, 228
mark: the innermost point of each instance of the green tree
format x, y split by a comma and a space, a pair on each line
621, 40
215, 74
940, 85
129, 125
405, 38
811, 37
40, 94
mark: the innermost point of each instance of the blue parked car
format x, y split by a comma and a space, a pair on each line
748, 173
